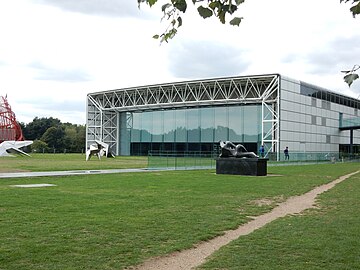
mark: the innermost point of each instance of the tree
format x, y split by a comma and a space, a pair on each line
74, 138
54, 137
61, 135
39, 146
221, 8
35, 129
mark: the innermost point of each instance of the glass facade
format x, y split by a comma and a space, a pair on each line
195, 129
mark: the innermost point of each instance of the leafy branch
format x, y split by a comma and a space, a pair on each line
221, 9
206, 8
355, 9
350, 75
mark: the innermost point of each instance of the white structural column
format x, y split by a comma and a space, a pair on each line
101, 125
270, 117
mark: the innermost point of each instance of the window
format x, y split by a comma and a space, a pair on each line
328, 139
136, 128
180, 132
207, 118
169, 126
313, 120
221, 124
323, 121
325, 105
236, 122
313, 102
193, 125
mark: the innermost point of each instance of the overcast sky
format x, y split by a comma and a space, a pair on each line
54, 52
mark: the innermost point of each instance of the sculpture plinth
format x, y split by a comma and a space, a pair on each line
242, 166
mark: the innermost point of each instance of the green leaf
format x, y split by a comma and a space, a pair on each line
233, 9
214, 5
346, 71
350, 78
180, 5
164, 7
205, 12
168, 35
155, 36
179, 19
221, 15
355, 9
238, 2
151, 2
236, 21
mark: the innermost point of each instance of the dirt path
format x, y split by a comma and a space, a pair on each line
191, 258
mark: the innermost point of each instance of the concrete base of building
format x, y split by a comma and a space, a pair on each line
242, 166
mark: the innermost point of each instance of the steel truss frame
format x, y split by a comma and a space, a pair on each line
103, 107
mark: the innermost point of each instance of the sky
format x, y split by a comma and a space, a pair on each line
54, 52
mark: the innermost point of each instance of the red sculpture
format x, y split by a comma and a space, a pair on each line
10, 129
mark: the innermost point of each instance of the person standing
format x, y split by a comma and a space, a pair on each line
286, 153
262, 151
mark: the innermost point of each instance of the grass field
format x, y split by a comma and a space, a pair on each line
323, 238
64, 162
114, 221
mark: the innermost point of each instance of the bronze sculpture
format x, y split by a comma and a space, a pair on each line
228, 149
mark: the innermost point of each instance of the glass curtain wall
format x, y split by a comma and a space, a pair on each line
195, 129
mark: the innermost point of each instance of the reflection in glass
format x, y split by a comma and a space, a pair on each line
196, 128
221, 124
180, 134
146, 124
207, 122
169, 126
136, 127
158, 126
236, 124
193, 125
252, 123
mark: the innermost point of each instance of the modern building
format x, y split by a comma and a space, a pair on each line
270, 109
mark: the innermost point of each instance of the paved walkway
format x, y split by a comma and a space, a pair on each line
66, 173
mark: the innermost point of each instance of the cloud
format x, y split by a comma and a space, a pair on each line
113, 8
66, 110
54, 74
201, 59
339, 54
63, 106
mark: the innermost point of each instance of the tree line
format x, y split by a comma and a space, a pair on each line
51, 135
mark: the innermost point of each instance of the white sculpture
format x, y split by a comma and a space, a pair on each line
7, 148
98, 149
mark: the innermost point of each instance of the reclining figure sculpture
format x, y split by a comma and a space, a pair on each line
228, 149
98, 149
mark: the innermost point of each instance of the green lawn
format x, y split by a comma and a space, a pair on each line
323, 238
116, 220
64, 162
